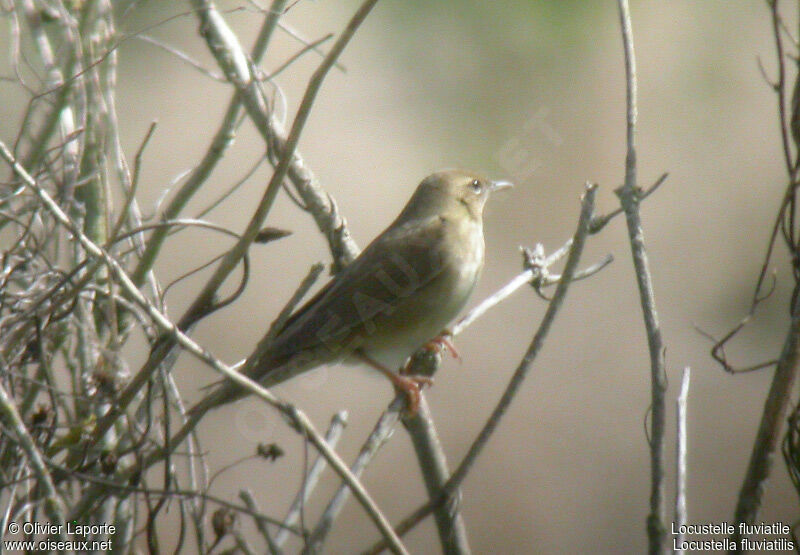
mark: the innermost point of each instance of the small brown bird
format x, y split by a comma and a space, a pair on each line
398, 295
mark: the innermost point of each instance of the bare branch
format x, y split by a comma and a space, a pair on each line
536, 273
183, 56
54, 506
296, 417
332, 436
681, 455
629, 195
788, 365
768, 435
222, 140
377, 438
433, 464
600, 222
130, 195
247, 497
234, 62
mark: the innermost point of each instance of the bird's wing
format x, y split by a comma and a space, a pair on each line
399, 262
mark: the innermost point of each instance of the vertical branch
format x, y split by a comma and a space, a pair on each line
630, 195
60, 82
93, 194
780, 391
681, 452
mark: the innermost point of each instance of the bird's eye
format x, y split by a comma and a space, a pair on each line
476, 185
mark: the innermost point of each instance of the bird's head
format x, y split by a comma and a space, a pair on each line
453, 191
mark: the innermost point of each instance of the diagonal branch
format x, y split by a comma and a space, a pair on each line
223, 138
218, 36
233, 61
380, 434
332, 436
213, 28
298, 419
54, 506
766, 442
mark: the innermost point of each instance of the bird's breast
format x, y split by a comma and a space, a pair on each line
430, 309
466, 265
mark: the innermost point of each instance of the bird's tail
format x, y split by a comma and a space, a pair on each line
226, 392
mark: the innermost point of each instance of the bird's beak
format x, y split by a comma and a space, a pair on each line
500, 185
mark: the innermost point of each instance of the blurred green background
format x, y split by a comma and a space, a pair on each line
532, 92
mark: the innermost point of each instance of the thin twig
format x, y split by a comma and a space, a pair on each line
332, 436
681, 455
629, 195
182, 493
247, 497
54, 506
234, 62
183, 56
296, 417
298, 37
779, 397
539, 273
380, 434
222, 140
130, 195
297, 55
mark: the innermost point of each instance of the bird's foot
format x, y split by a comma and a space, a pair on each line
443, 342
411, 386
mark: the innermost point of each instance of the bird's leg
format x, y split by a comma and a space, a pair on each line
443, 342
409, 385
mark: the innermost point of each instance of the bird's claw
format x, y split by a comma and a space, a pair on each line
444, 342
411, 386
